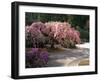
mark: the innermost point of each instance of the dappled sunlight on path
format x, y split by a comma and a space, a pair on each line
69, 57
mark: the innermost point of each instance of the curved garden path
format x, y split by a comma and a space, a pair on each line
69, 57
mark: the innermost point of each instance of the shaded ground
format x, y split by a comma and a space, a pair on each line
69, 57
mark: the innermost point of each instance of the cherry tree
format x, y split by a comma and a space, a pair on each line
34, 37
40, 34
63, 33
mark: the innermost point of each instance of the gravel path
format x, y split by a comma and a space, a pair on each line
68, 57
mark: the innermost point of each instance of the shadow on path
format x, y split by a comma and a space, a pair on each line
66, 57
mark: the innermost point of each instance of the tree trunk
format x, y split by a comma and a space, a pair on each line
52, 45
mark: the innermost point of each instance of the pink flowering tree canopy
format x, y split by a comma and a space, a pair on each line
38, 34
34, 37
63, 33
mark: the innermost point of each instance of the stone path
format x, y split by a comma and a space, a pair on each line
68, 57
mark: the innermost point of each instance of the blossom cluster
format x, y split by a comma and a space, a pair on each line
36, 57
38, 34
34, 36
63, 33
